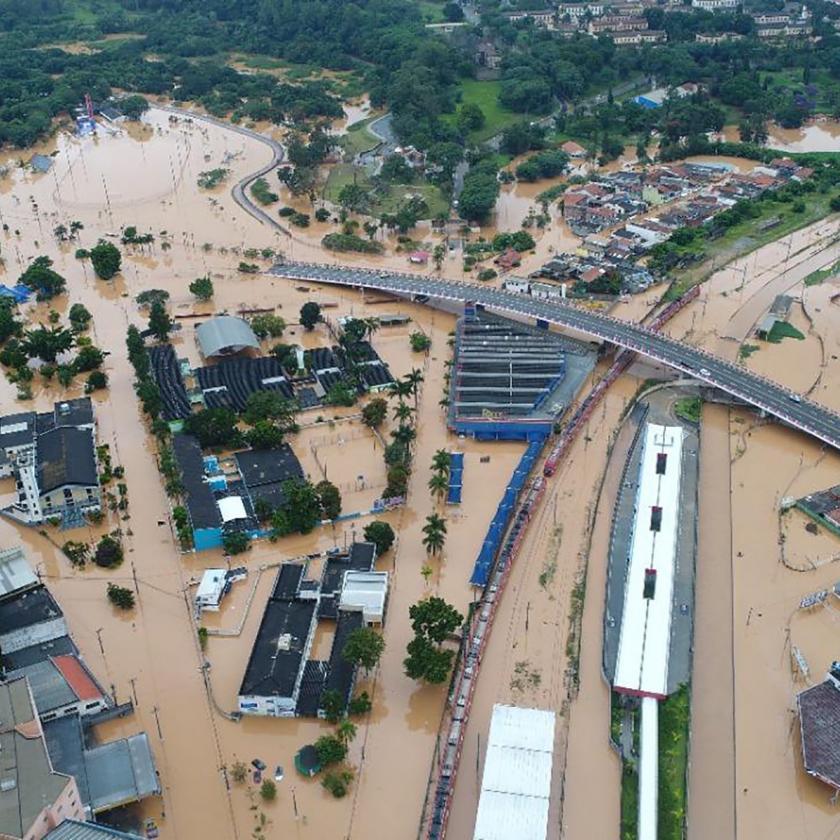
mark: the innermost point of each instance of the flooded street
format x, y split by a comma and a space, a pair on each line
146, 176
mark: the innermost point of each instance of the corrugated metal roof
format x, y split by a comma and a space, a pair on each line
516, 785
75, 830
15, 571
225, 334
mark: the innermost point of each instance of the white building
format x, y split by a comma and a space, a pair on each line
365, 592
210, 590
715, 5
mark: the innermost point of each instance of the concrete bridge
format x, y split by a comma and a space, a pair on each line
757, 391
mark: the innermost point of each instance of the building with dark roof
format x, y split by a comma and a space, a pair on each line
265, 471
272, 680
819, 723
53, 459
32, 618
205, 519
231, 382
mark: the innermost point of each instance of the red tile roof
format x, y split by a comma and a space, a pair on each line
77, 677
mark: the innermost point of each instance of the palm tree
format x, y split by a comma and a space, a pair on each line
427, 571
438, 485
400, 389
414, 378
441, 461
404, 434
402, 411
371, 326
434, 532
346, 731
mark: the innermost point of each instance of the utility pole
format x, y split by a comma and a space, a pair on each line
157, 721
99, 639
133, 691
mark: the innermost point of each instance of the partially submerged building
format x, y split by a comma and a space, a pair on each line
225, 335
512, 381
823, 507
34, 796
819, 724
281, 680
52, 456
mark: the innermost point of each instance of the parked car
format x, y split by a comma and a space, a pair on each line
278, 773
151, 829
260, 765
257, 777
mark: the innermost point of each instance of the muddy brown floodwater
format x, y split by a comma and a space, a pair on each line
147, 178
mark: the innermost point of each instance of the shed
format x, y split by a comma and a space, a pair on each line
210, 590
232, 508
225, 335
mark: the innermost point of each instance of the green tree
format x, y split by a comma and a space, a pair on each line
149, 395
360, 705
434, 620
88, 358
106, 259
160, 323
264, 435
109, 552
374, 413
41, 279
120, 597
330, 499
9, 325
331, 750
434, 534
427, 662
353, 197
79, 317
270, 405
300, 511
337, 781
239, 772
332, 704
97, 381
213, 427
202, 287
235, 542
364, 647
266, 325
420, 342
438, 485
346, 731
381, 534
134, 106
470, 118
310, 315
442, 461
403, 412
46, 343
414, 378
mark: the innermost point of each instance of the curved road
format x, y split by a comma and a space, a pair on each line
239, 191
762, 393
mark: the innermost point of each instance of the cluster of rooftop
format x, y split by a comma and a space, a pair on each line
52, 457
306, 377
49, 703
280, 679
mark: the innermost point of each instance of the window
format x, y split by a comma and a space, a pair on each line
661, 461
68, 493
650, 583
655, 518
93, 705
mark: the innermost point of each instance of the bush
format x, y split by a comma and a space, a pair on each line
97, 381
106, 259
202, 287
322, 214
120, 597
420, 342
331, 750
350, 242
268, 790
109, 553
375, 412
337, 782
239, 772
487, 274
360, 705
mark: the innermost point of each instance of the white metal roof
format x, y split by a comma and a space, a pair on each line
212, 583
645, 638
366, 591
15, 571
649, 770
232, 507
516, 784
225, 334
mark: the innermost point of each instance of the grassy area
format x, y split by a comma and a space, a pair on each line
387, 199
359, 138
674, 716
629, 801
782, 329
689, 409
746, 237
485, 94
817, 277
431, 12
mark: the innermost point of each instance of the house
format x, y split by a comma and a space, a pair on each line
716, 5
486, 55
508, 259
34, 798
365, 592
77, 830
573, 150
16, 574
52, 456
210, 590
543, 18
